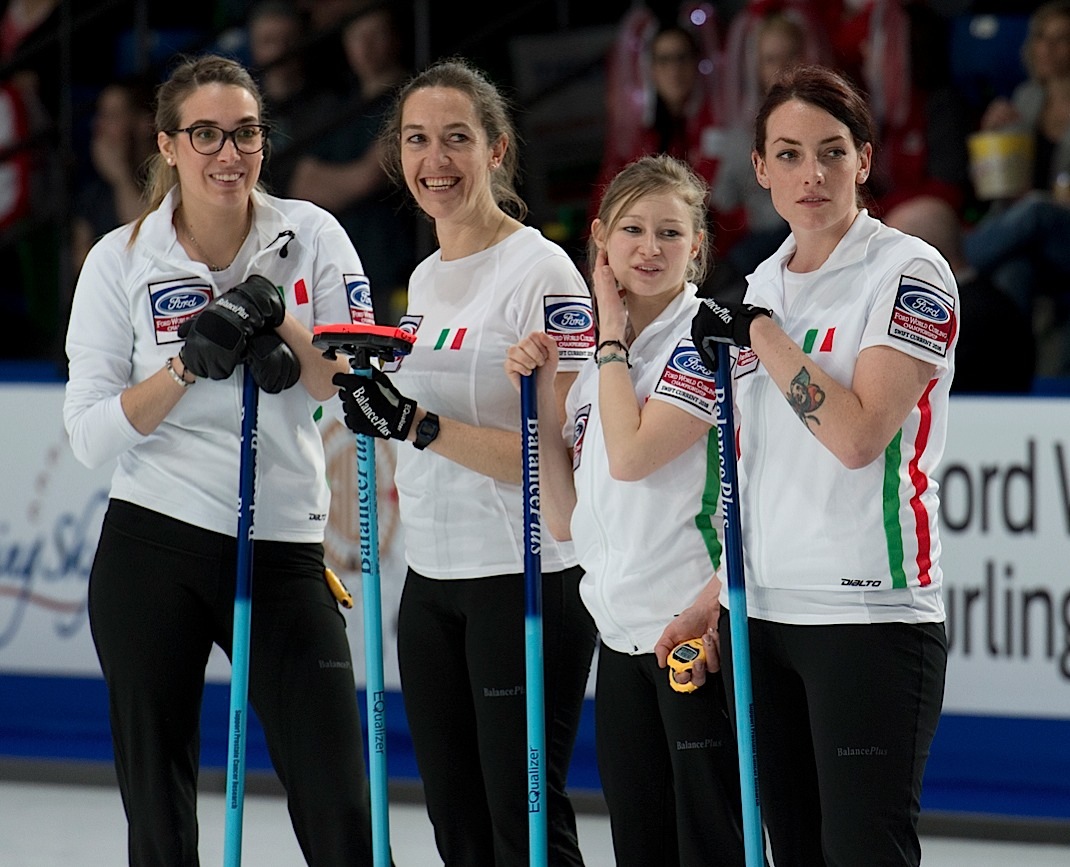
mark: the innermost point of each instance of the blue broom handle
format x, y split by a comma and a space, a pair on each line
753, 840
239, 656
533, 645
375, 690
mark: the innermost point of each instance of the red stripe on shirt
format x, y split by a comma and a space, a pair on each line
301, 291
921, 483
459, 338
826, 344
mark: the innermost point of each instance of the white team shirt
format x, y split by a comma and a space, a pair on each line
647, 547
127, 308
822, 543
466, 313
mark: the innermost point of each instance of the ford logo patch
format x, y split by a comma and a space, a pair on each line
925, 305
570, 318
688, 361
180, 301
360, 293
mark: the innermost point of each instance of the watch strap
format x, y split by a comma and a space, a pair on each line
426, 431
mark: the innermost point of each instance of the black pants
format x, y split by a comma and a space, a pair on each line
461, 655
844, 718
669, 766
161, 592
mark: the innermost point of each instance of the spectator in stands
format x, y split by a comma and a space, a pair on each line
122, 139
763, 39
922, 123
342, 172
1041, 105
326, 58
661, 94
1022, 243
296, 109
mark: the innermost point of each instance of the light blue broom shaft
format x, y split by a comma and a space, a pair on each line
239, 656
753, 840
375, 695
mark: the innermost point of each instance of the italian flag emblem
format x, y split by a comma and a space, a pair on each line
811, 339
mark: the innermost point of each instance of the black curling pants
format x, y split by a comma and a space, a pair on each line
844, 718
161, 592
669, 766
461, 650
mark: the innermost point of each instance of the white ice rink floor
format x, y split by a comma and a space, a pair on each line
74, 825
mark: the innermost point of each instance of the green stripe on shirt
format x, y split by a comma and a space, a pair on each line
893, 530
711, 493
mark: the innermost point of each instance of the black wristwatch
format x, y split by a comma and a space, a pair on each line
426, 431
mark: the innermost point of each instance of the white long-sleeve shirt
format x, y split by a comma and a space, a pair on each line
128, 305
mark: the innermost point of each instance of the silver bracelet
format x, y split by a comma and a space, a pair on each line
170, 367
613, 356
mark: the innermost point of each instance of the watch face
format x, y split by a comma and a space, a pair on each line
426, 431
685, 653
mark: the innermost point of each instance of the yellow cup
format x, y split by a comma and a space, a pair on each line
1001, 164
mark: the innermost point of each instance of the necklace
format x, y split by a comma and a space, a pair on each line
200, 249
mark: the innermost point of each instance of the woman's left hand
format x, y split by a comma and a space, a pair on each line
698, 619
535, 353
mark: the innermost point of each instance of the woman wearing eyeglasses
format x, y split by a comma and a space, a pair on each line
214, 276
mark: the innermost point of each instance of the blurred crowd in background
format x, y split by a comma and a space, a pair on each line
973, 101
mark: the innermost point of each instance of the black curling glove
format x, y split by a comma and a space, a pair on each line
722, 322
273, 364
373, 406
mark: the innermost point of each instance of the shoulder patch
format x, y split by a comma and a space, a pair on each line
578, 430
686, 379
923, 314
744, 361
569, 321
359, 293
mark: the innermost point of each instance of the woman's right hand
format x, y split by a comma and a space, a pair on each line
536, 352
609, 300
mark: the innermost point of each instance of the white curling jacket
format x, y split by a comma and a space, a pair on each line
128, 305
647, 547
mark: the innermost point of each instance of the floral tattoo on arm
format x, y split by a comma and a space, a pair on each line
805, 397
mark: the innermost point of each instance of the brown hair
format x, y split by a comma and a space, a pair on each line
492, 110
653, 175
822, 88
191, 74
829, 91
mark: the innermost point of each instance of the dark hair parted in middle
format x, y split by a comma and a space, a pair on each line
822, 88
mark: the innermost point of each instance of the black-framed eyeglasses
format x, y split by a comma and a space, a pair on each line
208, 140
